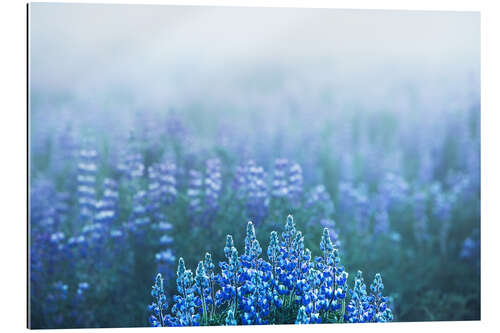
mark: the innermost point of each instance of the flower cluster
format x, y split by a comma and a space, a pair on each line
251, 187
257, 291
162, 185
287, 179
365, 307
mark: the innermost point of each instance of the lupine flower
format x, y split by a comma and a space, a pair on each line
184, 309
354, 201
139, 216
442, 209
382, 313
256, 192
87, 169
194, 191
359, 309
158, 308
57, 295
132, 166
255, 289
280, 179
393, 189
330, 225
107, 207
210, 271
213, 184
162, 185
295, 181
202, 283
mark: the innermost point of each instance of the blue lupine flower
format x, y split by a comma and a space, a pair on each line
359, 309
382, 313
202, 282
158, 308
330, 225
255, 289
210, 271
184, 309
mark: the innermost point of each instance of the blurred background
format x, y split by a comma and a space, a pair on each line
156, 130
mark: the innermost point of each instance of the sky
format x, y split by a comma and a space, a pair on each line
162, 56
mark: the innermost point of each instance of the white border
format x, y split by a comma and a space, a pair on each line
13, 156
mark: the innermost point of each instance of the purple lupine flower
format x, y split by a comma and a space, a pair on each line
87, 170
240, 181
139, 216
131, 164
162, 185
295, 181
194, 192
354, 204
154, 189
213, 184
280, 180
394, 189
442, 210
66, 145
107, 207
62, 207
167, 172
257, 197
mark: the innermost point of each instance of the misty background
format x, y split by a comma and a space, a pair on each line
117, 58
259, 80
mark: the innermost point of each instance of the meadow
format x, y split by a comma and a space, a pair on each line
114, 203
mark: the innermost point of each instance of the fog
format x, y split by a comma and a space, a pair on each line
170, 56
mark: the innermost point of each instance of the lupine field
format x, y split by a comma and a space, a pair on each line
303, 206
